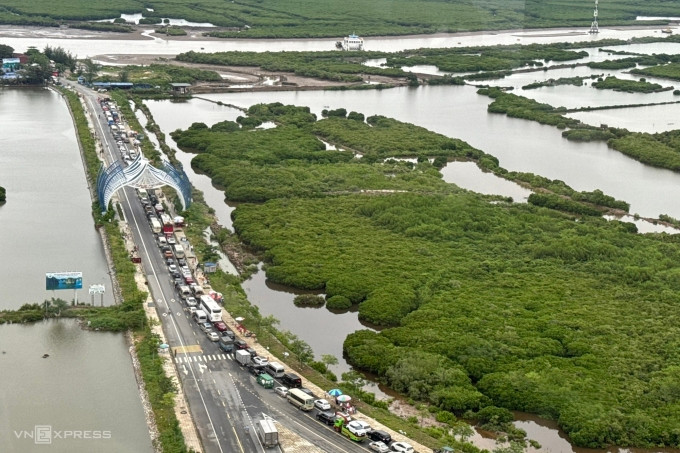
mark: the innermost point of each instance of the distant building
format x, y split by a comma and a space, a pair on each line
180, 88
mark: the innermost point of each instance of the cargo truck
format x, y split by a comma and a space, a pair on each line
242, 356
267, 433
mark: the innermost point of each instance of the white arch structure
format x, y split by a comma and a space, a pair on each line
140, 174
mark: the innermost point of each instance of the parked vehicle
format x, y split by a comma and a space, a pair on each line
220, 326
242, 357
266, 431
342, 425
281, 391
226, 344
255, 370
365, 426
191, 302
300, 399
380, 436
402, 447
378, 446
155, 225
291, 380
322, 405
326, 417
265, 380
308, 392
240, 344
260, 361
200, 316
275, 369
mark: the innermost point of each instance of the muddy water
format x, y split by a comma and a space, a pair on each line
85, 385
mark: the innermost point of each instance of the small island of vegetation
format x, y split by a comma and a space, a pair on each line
3, 195
629, 86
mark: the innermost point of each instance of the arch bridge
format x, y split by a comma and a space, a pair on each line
140, 174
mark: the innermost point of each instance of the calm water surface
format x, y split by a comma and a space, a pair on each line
86, 384
46, 224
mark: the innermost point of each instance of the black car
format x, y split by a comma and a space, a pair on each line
252, 352
327, 417
255, 370
308, 392
240, 344
380, 436
230, 334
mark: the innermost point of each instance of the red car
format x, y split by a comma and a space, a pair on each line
219, 325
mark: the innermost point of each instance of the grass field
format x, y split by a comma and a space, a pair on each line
300, 18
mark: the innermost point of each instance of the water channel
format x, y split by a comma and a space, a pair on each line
87, 383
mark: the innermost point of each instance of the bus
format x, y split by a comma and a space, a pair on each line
212, 308
300, 399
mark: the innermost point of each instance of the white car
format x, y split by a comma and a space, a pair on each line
172, 268
322, 404
356, 428
257, 360
365, 426
378, 446
282, 391
191, 302
212, 336
171, 240
402, 447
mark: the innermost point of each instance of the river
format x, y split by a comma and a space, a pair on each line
89, 44
46, 224
87, 383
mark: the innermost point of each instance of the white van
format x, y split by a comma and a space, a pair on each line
162, 241
200, 316
275, 369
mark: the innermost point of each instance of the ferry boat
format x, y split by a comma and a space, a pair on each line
351, 42
667, 30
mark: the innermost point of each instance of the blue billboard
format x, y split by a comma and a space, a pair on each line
63, 280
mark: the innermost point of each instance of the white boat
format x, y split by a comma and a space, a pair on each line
352, 42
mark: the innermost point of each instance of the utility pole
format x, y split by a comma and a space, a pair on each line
594, 28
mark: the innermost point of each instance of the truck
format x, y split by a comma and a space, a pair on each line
155, 225
168, 225
242, 356
179, 251
267, 433
340, 425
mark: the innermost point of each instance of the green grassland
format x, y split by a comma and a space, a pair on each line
313, 18
484, 302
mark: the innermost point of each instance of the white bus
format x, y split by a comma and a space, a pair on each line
211, 308
300, 399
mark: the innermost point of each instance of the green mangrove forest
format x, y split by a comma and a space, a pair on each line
543, 307
309, 18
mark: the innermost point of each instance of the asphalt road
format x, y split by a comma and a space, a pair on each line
223, 398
